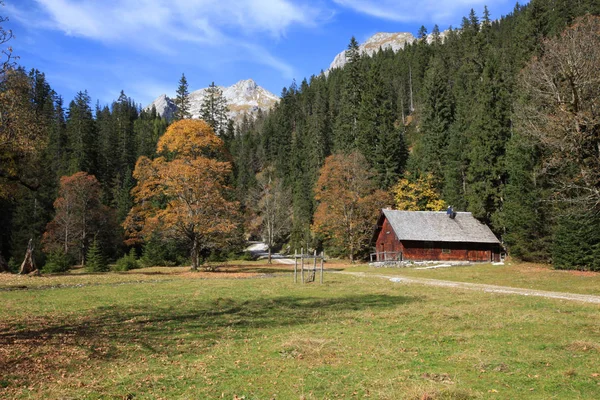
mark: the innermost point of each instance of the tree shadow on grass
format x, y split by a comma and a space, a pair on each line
124, 325
44, 346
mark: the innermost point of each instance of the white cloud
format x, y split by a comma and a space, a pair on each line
177, 28
112, 20
434, 11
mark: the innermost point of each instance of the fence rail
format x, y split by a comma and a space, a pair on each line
386, 256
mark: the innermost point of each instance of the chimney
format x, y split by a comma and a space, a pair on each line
450, 212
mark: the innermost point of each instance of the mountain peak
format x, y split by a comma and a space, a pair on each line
243, 97
384, 40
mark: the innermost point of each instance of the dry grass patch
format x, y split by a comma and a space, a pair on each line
580, 346
312, 350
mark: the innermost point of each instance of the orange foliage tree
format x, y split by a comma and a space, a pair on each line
79, 217
348, 203
184, 193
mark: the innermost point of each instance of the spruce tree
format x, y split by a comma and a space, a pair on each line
124, 113
108, 147
422, 34
525, 216
81, 133
147, 130
435, 35
345, 130
378, 139
182, 100
95, 261
214, 109
576, 243
437, 117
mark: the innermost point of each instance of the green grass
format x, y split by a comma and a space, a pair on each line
266, 338
521, 275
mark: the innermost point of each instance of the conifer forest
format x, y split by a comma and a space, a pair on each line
499, 117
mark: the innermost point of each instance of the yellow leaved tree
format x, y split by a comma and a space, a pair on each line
183, 194
417, 194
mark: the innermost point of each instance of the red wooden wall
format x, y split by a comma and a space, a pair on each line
432, 251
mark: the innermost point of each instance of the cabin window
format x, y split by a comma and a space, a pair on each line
446, 251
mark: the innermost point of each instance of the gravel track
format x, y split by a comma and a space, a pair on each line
586, 298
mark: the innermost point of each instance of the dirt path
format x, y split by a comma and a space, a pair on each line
586, 298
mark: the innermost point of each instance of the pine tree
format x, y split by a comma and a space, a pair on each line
576, 242
377, 137
182, 100
122, 203
422, 34
486, 17
108, 148
95, 261
436, 35
437, 117
214, 109
57, 143
81, 133
524, 217
124, 113
147, 130
345, 130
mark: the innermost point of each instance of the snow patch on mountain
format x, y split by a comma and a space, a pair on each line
244, 97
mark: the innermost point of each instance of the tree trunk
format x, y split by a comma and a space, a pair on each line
269, 255
3, 265
194, 254
28, 265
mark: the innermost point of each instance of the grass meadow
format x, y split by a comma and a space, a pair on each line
249, 332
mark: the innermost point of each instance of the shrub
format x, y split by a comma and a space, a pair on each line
127, 262
57, 262
162, 252
14, 265
245, 256
216, 256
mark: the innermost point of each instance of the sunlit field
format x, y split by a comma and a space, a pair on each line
251, 332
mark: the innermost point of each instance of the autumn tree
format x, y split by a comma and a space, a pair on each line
348, 203
5, 36
274, 207
184, 195
22, 135
80, 216
560, 109
418, 194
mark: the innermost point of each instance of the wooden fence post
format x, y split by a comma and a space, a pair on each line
302, 264
295, 266
314, 271
322, 259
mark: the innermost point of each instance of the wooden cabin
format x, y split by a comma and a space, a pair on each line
433, 236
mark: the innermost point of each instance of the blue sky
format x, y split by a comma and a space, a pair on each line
143, 46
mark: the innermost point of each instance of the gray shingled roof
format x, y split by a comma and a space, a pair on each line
436, 226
